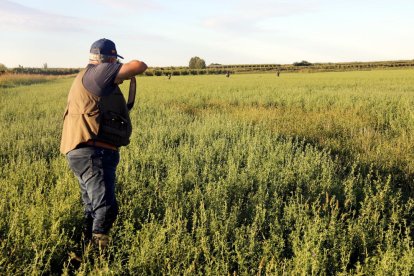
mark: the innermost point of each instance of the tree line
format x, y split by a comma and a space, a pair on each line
197, 66
38, 71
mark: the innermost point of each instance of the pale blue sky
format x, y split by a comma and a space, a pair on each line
164, 33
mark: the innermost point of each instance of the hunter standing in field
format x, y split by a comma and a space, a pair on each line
96, 123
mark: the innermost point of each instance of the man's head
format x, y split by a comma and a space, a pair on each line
103, 50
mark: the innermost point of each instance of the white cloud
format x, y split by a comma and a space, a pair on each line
243, 18
272, 8
129, 5
141, 38
17, 16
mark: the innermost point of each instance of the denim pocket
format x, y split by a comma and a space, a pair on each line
96, 164
79, 165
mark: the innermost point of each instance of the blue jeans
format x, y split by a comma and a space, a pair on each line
95, 169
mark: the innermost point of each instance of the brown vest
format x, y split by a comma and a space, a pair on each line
89, 117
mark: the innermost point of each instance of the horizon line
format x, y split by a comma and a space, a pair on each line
238, 64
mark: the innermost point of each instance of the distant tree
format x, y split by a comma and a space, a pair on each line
302, 63
197, 63
3, 68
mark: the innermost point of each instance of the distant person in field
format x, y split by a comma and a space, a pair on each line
278, 73
96, 123
228, 74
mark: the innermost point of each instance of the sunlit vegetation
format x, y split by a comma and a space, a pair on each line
13, 80
248, 175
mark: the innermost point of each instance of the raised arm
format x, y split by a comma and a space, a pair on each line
129, 70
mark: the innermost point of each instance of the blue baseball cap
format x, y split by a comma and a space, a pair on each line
104, 47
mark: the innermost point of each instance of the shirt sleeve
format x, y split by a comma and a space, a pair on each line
99, 79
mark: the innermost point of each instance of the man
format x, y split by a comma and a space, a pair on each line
96, 123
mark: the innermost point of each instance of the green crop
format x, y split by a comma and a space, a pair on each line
305, 174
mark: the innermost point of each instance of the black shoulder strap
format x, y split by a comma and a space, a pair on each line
132, 92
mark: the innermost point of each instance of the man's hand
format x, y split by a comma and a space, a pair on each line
129, 70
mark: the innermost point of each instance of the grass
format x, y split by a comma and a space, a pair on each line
252, 174
13, 80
